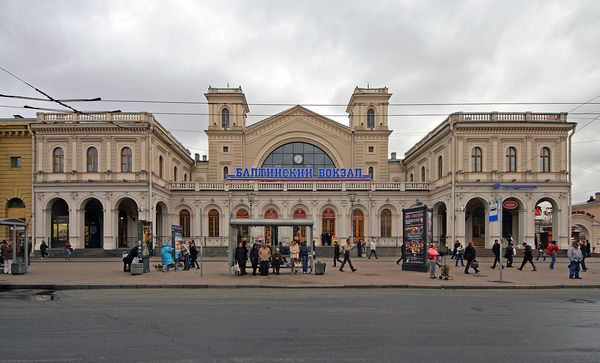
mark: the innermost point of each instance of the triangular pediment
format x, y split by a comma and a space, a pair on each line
298, 117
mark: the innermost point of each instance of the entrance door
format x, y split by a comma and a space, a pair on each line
358, 225
479, 227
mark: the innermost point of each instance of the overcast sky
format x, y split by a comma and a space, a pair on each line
303, 52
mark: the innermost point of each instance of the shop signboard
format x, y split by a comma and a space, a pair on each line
304, 174
417, 235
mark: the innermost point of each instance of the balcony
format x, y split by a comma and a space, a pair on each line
298, 186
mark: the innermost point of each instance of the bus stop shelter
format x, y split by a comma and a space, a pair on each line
19, 266
233, 223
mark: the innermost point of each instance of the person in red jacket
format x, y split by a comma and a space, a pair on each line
551, 251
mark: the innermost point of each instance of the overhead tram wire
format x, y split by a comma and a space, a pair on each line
50, 98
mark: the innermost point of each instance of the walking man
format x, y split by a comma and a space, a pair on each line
347, 249
432, 256
496, 250
508, 254
456, 244
527, 257
574, 254
336, 251
541, 252
588, 248
552, 249
402, 253
470, 255
583, 249
372, 248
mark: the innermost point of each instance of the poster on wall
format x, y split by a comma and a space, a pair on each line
145, 233
417, 234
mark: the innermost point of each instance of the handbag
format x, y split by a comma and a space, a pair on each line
236, 268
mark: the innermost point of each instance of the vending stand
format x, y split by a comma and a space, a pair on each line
417, 223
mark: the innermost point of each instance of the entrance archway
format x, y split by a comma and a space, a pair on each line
512, 214
440, 215
546, 222
162, 229
93, 224
475, 223
59, 223
579, 232
127, 233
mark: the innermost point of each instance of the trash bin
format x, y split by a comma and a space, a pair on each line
319, 268
18, 268
146, 263
137, 268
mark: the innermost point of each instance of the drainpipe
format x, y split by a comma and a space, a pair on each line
152, 215
570, 190
453, 162
33, 169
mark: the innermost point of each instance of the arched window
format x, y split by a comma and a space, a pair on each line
126, 159
92, 160
411, 177
511, 159
371, 172
160, 166
328, 219
299, 155
386, 223
299, 232
184, 177
58, 162
370, 118
242, 213
184, 222
225, 118
545, 160
440, 167
225, 172
476, 159
174, 173
423, 173
213, 223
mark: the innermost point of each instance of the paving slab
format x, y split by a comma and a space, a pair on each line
107, 273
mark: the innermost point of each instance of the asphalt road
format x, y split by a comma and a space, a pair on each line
297, 325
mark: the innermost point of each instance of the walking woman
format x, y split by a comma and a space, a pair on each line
68, 251
194, 255
460, 252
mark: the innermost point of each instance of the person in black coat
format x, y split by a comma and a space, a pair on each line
241, 255
527, 257
194, 255
496, 250
336, 252
588, 248
470, 255
254, 258
127, 260
44, 249
456, 244
584, 254
508, 254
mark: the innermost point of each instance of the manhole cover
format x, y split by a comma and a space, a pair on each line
581, 301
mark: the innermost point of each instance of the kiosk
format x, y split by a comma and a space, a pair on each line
19, 266
417, 223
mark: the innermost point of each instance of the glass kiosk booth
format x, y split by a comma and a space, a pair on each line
20, 259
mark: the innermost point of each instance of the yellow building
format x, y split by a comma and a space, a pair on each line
15, 171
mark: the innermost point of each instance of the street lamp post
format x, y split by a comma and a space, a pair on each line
352, 197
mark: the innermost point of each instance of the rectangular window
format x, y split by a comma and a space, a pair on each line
15, 161
225, 149
371, 149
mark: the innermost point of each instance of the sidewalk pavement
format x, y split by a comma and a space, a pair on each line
105, 273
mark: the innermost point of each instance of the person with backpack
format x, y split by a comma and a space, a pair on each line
470, 255
551, 251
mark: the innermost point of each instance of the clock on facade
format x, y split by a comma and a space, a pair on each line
298, 158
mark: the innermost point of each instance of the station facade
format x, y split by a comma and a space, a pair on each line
97, 175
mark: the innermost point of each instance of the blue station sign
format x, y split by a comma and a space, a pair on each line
330, 174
